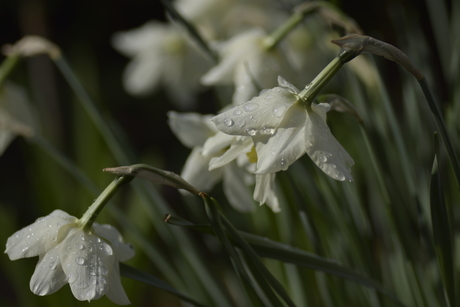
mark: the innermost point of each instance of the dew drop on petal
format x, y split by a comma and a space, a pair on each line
267, 131
228, 122
237, 112
339, 176
102, 270
106, 249
251, 106
80, 261
241, 123
322, 158
251, 131
283, 162
81, 247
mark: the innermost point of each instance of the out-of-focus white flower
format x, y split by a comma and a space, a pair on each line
16, 116
162, 55
220, 19
246, 63
87, 261
283, 128
214, 156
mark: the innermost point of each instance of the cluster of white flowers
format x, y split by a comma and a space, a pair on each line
258, 134
87, 260
260, 137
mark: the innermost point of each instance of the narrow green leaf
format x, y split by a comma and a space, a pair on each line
253, 257
133, 273
271, 249
218, 229
442, 234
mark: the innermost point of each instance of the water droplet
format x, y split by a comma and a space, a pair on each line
102, 270
237, 112
340, 177
241, 123
93, 280
81, 247
100, 289
80, 260
228, 122
106, 249
310, 144
322, 158
267, 131
279, 110
251, 106
283, 162
251, 131
269, 97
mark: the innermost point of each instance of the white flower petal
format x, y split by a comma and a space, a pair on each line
143, 38
122, 251
259, 116
278, 152
264, 191
48, 276
116, 293
325, 150
196, 171
216, 143
287, 85
143, 74
39, 237
86, 260
192, 129
321, 109
235, 189
232, 53
236, 149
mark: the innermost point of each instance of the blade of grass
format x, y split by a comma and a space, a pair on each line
133, 273
271, 249
442, 234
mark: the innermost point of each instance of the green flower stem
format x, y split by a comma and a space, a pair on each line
190, 28
300, 12
312, 89
7, 66
90, 215
276, 36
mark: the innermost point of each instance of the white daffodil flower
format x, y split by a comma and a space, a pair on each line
246, 63
215, 156
87, 261
162, 55
283, 128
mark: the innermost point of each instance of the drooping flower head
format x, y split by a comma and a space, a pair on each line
283, 128
247, 63
87, 260
162, 56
